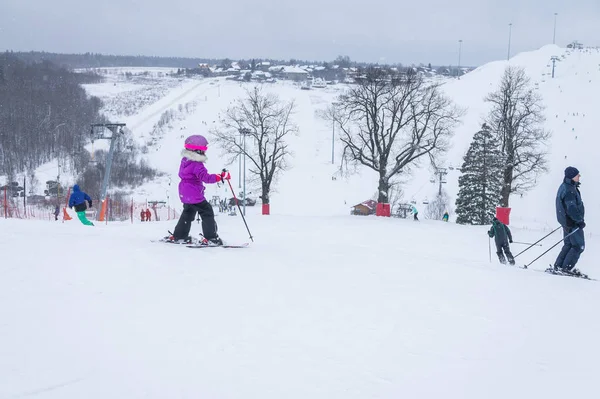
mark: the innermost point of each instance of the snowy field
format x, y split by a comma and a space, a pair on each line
332, 307
322, 304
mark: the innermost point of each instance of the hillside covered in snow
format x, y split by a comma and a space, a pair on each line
321, 304
195, 106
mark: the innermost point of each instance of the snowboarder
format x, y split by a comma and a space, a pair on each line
570, 213
81, 201
415, 213
143, 215
445, 217
503, 237
193, 175
148, 215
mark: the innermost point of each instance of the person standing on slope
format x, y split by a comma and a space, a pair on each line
502, 236
193, 175
81, 201
570, 213
415, 213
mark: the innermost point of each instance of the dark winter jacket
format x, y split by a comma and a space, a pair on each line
570, 211
501, 232
78, 199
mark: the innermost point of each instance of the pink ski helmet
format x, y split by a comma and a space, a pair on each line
196, 142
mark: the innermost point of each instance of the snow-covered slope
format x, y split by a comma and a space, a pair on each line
571, 110
312, 185
318, 307
322, 304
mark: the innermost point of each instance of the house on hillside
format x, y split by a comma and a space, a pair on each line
264, 66
365, 208
294, 73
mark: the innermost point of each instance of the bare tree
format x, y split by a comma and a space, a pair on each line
390, 122
517, 118
265, 121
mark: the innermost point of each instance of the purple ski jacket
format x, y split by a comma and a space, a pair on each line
193, 175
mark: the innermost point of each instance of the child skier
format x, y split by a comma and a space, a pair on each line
81, 201
445, 217
503, 236
193, 175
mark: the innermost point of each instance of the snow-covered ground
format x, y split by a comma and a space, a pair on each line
322, 304
317, 307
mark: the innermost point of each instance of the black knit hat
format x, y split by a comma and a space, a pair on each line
571, 172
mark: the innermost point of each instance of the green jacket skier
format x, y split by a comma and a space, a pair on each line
502, 236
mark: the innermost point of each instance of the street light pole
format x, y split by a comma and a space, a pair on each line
554, 34
332, 140
333, 116
459, 54
240, 166
244, 132
244, 174
509, 37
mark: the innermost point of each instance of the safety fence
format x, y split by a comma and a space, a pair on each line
55, 209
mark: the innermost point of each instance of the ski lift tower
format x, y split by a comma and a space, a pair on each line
440, 173
99, 133
554, 59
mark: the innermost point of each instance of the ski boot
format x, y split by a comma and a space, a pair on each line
213, 242
171, 239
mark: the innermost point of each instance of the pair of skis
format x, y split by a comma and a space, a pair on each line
199, 245
244, 245
551, 269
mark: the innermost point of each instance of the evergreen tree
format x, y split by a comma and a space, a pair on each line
481, 180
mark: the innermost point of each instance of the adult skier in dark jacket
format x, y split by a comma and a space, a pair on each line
502, 236
570, 213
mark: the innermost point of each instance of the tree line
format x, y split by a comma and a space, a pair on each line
45, 114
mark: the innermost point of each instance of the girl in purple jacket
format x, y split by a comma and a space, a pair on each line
193, 175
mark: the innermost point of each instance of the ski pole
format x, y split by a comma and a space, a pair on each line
526, 243
543, 238
548, 250
490, 248
238, 205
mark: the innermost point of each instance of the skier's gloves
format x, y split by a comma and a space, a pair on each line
510, 241
225, 175
581, 225
90, 202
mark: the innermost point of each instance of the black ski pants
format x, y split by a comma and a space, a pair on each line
205, 210
503, 246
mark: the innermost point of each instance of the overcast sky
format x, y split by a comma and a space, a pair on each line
369, 30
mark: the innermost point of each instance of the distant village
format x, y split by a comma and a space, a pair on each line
309, 75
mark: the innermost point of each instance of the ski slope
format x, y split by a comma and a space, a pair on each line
314, 186
571, 115
322, 304
318, 307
